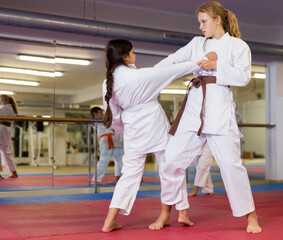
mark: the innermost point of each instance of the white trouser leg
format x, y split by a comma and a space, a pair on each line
128, 185
183, 148
118, 154
102, 165
226, 151
202, 164
7, 159
208, 188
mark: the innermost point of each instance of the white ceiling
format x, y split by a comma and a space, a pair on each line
82, 84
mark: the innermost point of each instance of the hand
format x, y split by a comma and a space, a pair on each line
212, 56
207, 65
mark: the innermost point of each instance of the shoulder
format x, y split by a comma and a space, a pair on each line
196, 40
123, 72
237, 42
7, 109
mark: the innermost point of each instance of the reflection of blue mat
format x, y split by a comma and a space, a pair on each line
215, 175
105, 196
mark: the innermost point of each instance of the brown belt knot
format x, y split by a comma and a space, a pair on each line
196, 82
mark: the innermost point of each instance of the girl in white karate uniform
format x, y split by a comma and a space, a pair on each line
8, 108
131, 106
202, 173
219, 127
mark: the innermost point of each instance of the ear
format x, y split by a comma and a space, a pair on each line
218, 19
125, 58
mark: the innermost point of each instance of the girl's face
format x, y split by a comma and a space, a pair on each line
208, 25
131, 58
2, 101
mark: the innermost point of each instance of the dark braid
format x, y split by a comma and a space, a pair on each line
116, 50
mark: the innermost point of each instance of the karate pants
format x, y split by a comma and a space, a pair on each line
183, 149
6, 158
202, 166
105, 156
128, 185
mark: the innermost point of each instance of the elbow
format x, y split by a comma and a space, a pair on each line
245, 82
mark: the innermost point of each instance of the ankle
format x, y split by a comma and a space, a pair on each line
251, 215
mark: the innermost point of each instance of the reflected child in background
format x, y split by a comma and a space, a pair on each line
202, 173
110, 145
8, 107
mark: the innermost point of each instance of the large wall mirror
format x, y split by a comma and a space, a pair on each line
60, 155
31, 83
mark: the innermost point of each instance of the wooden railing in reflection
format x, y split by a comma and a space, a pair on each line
46, 119
266, 125
89, 120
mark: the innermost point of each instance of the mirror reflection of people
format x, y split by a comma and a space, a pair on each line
8, 107
110, 145
132, 107
209, 116
202, 176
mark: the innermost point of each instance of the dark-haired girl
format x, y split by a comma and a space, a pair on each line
132, 107
8, 108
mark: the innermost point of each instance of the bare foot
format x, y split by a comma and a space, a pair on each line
114, 181
110, 221
194, 192
14, 175
109, 227
253, 225
97, 183
163, 219
185, 220
161, 222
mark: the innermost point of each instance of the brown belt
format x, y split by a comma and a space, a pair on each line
196, 82
8, 124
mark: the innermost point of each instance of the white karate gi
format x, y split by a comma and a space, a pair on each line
5, 140
220, 128
202, 166
105, 153
136, 110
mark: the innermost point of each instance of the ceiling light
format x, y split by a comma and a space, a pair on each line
31, 72
260, 75
18, 82
6, 92
173, 91
54, 60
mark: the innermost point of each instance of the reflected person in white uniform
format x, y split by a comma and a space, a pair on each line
219, 127
130, 100
8, 107
202, 173
110, 145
